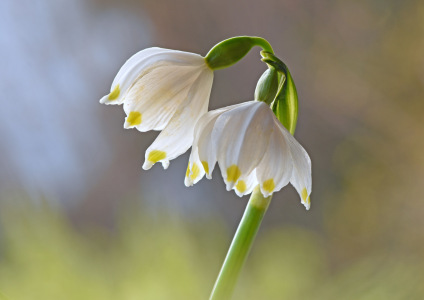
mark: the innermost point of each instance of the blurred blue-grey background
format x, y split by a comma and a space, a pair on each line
80, 219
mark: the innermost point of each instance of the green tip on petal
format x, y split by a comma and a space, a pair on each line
115, 93
156, 155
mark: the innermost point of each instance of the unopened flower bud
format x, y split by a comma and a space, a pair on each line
267, 86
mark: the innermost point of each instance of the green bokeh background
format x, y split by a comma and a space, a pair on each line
359, 70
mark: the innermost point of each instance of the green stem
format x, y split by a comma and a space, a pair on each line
240, 246
263, 43
230, 51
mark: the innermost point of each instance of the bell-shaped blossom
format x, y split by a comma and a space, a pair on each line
252, 148
165, 90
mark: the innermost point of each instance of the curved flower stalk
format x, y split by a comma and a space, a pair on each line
252, 148
166, 90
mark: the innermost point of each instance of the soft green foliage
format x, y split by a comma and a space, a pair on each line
43, 256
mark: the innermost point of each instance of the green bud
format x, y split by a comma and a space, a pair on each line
228, 52
285, 105
267, 86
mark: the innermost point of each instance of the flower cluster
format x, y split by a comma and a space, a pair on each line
169, 90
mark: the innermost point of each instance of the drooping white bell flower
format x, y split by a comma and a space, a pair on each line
166, 90
251, 147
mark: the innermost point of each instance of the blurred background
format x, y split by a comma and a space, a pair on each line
80, 219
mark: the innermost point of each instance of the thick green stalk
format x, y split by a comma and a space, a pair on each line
240, 246
230, 51
263, 43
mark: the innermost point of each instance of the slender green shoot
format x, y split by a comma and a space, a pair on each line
240, 246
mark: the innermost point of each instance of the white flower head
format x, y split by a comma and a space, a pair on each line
252, 148
166, 90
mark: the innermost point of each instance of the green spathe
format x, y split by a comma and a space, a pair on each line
230, 51
285, 105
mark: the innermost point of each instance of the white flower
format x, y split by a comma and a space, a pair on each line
166, 90
252, 147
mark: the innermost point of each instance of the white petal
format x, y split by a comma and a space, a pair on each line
140, 62
241, 135
177, 136
129, 72
157, 95
195, 170
203, 143
246, 184
301, 177
275, 169
203, 151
